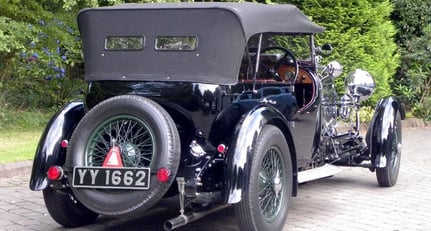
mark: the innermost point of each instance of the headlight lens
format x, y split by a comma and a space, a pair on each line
359, 84
334, 69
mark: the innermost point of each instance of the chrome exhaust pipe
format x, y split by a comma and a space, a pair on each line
184, 219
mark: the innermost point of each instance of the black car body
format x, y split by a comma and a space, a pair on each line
220, 103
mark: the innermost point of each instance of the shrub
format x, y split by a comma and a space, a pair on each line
413, 79
38, 55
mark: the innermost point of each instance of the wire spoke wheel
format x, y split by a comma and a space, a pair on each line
132, 135
264, 204
127, 131
271, 179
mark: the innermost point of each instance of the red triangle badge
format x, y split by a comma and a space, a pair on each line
113, 159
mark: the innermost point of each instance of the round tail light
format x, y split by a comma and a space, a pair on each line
163, 175
54, 173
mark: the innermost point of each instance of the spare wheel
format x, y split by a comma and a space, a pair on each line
145, 137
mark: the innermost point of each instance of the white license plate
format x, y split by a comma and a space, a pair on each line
111, 178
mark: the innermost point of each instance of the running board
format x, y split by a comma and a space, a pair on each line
326, 170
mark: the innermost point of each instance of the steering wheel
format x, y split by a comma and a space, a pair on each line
274, 71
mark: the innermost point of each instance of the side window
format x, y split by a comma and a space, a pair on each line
176, 43
124, 43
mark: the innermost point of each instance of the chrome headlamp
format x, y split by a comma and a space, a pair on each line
359, 84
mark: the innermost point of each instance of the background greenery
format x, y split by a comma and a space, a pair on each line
412, 81
41, 64
361, 33
41, 61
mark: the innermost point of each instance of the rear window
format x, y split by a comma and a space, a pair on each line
124, 43
176, 43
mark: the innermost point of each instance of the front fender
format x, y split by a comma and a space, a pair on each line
241, 149
49, 152
378, 131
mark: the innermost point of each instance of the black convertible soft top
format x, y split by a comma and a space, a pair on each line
222, 31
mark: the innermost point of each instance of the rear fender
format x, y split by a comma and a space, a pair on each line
378, 131
241, 149
49, 152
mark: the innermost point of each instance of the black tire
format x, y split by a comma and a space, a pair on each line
388, 176
65, 210
271, 161
147, 137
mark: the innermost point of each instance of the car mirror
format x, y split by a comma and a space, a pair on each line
325, 50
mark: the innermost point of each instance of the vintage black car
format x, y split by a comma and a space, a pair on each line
216, 104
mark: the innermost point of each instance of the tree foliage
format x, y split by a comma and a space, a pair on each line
39, 50
41, 62
413, 80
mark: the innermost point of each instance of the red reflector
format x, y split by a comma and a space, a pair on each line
113, 159
54, 173
221, 148
163, 175
64, 143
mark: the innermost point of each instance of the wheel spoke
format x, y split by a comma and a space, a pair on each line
271, 184
132, 135
395, 149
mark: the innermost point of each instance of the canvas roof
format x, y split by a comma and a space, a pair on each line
222, 29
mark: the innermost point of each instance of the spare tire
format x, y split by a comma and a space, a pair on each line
147, 138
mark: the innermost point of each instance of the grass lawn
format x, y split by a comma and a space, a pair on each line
18, 145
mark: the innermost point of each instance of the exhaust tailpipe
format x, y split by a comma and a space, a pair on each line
184, 219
